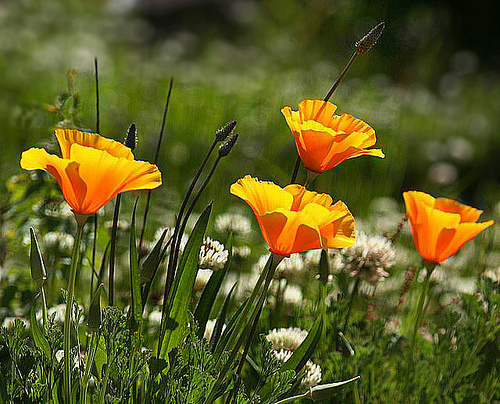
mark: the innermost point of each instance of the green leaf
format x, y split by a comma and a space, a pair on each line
325, 391
244, 315
302, 354
180, 293
219, 323
40, 340
135, 278
207, 300
38, 272
152, 261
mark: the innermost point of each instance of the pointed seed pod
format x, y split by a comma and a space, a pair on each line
131, 139
226, 147
38, 272
370, 39
224, 132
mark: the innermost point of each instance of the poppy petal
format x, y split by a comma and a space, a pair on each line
68, 137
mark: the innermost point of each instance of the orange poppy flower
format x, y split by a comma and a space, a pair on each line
293, 219
440, 226
324, 140
92, 169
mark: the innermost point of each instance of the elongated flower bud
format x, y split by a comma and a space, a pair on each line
131, 139
370, 39
226, 147
225, 131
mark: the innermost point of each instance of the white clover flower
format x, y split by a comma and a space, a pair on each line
155, 317
291, 294
168, 236
8, 322
284, 342
56, 239
242, 251
233, 222
492, 274
286, 338
213, 255
289, 268
369, 257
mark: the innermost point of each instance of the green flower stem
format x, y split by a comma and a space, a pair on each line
75, 258
420, 307
44, 308
354, 293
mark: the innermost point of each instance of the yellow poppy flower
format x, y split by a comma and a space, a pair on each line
92, 169
293, 219
440, 226
324, 140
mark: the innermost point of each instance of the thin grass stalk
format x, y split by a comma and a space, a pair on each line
112, 251
174, 245
420, 307
88, 366
75, 258
157, 153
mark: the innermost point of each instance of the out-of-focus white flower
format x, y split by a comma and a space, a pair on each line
57, 239
59, 312
120, 225
284, 341
369, 257
233, 222
155, 317
8, 322
170, 233
242, 251
213, 255
292, 294
290, 268
492, 274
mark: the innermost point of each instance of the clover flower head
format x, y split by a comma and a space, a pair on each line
57, 239
492, 274
213, 255
369, 258
286, 338
284, 341
233, 222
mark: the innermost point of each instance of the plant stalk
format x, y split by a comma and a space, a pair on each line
75, 258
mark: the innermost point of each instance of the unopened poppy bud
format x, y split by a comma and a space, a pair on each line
38, 272
224, 132
131, 139
370, 39
226, 147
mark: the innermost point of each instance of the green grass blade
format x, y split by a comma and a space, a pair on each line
180, 294
152, 261
135, 278
210, 292
219, 323
40, 340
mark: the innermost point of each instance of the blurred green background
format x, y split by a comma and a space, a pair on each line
430, 87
